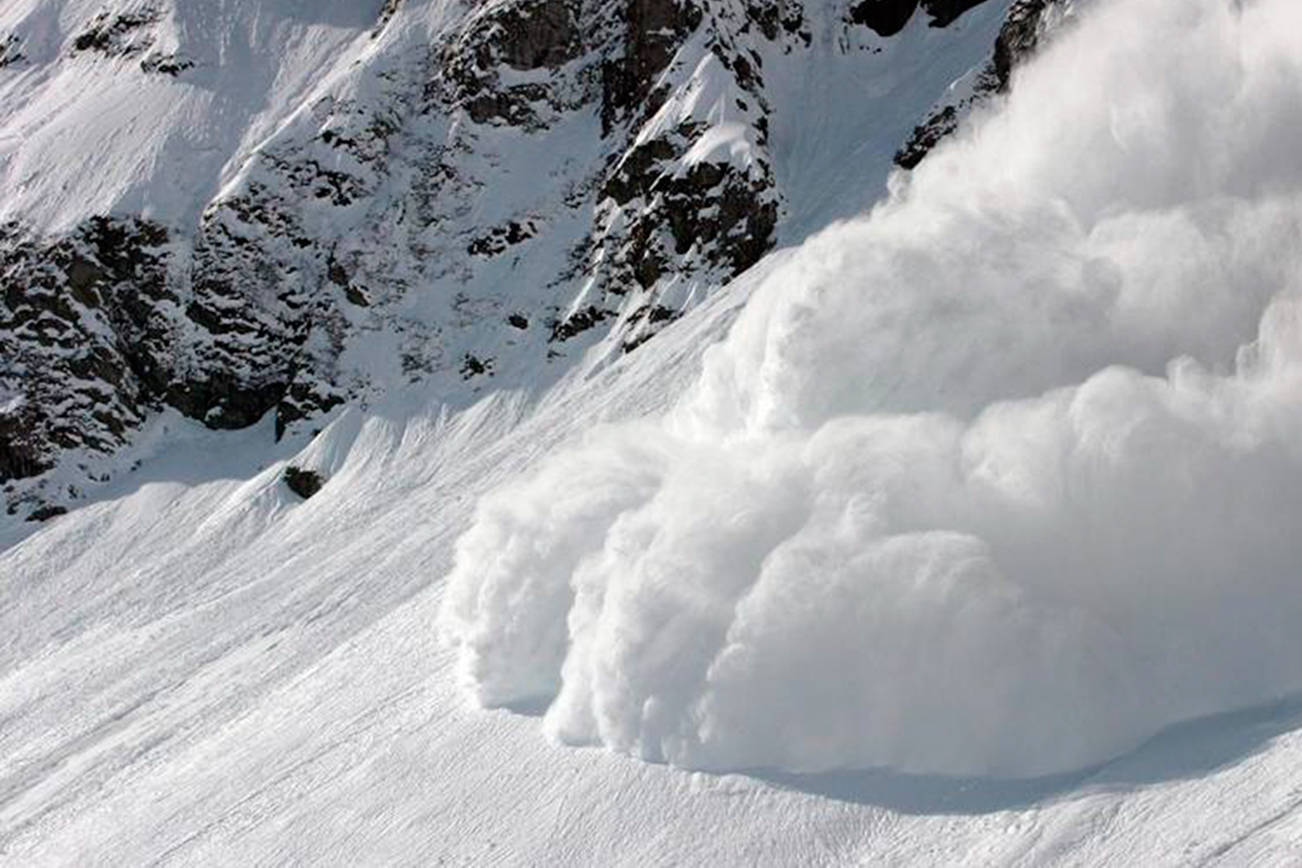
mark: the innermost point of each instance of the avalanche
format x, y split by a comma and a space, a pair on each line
999, 479
1002, 478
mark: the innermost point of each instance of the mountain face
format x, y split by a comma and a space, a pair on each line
238, 208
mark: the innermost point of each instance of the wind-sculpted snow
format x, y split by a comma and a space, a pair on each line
1002, 478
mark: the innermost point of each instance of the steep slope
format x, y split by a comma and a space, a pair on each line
246, 677
1020, 448
239, 208
1034, 421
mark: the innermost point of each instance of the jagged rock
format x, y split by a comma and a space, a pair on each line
579, 322
777, 17
83, 324
884, 17
24, 451
304, 400
499, 238
10, 50
524, 36
926, 136
944, 12
540, 34
387, 11
888, 17
1024, 24
122, 35
1019, 37
166, 64
385, 198
473, 366
45, 513
304, 483
653, 31
649, 316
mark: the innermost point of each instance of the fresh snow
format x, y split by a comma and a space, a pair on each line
1020, 449
961, 533
76, 141
202, 669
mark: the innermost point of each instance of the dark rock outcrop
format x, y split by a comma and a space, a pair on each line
45, 513
945, 12
304, 483
166, 64
85, 329
926, 136
1019, 36
884, 17
363, 209
11, 51
123, 35
888, 17
387, 11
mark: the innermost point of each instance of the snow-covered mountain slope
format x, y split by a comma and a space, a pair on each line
239, 207
961, 532
204, 669
1018, 449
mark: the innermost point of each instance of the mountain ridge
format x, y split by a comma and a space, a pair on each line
469, 198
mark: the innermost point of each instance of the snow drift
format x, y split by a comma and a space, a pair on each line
1000, 479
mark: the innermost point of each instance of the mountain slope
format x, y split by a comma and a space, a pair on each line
239, 208
263, 684
960, 531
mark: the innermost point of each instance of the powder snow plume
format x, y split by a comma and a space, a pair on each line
1001, 478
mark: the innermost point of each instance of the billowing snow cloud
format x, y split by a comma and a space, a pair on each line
1000, 479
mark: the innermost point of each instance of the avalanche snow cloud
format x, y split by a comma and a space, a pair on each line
1000, 479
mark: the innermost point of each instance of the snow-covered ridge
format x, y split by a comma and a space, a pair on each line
235, 208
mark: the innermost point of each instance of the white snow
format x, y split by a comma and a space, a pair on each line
76, 141
854, 99
200, 669
1020, 450
1000, 480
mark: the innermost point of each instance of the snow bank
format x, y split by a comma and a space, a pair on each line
1000, 479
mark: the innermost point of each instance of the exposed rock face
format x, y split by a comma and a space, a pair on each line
304, 483
11, 50
545, 175
885, 17
166, 64
943, 12
1027, 21
653, 31
1025, 25
888, 17
45, 513
87, 332
119, 35
927, 135
387, 11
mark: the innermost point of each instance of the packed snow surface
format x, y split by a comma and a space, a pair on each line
1002, 478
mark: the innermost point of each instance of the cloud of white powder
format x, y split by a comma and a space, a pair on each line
1002, 478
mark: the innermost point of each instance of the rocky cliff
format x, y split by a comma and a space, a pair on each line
251, 210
